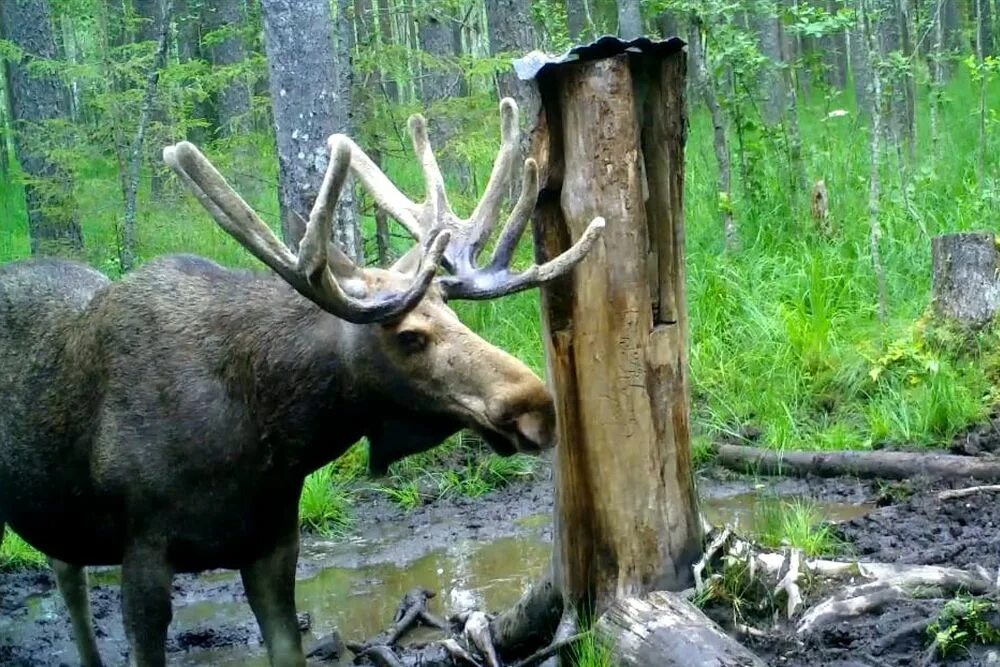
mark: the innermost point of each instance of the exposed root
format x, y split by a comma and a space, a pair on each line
867, 588
412, 611
789, 584
477, 633
458, 652
549, 651
382, 656
857, 600
713, 548
470, 640
909, 630
968, 491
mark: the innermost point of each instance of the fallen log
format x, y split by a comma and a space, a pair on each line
663, 629
867, 464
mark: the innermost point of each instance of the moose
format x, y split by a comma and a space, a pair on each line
165, 422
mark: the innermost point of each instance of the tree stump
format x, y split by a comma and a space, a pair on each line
966, 286
665, 630
611, 143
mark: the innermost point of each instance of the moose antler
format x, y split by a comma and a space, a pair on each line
468, 281
311, 272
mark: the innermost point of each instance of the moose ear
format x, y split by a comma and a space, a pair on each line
409, 262
340, 263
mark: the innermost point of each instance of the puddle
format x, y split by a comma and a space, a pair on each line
742, 510
360, 602
358, 597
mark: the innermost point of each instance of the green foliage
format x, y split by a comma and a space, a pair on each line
325, 505
738, 589
965, 621
16, 554
797, 523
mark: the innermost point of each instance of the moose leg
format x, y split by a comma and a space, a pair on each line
146, 586
72, 583
270, 587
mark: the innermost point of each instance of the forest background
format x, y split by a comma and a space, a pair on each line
829, 141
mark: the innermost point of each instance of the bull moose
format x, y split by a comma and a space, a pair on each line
166, 422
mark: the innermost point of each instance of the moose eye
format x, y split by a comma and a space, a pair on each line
411, 341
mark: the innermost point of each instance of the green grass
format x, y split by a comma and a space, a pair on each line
16, 554
325, 504
797, 523
592, 651
784, 335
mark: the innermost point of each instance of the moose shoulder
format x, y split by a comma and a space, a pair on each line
166, 422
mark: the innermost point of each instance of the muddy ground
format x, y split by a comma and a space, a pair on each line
906, 524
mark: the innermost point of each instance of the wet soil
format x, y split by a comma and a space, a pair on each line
484, 553
920, 529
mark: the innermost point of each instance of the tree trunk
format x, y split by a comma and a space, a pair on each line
629, 19
232, 101
149, 12
985, 27
965, 284
834, 46
511, 31
936, 66
441, 81
983, 19
866, 464
720, 142
577, 21
875, 159
130, 176
772, 87
308, 100
615, 330
666, 630
188, 17
389, 86
53, 218
861, 70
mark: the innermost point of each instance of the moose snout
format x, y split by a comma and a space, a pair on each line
531, 428
536, 427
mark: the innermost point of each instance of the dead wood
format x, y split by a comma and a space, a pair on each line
663, 629
867, 464
549, 651
532, 622
965, 285
952, 494
789, 584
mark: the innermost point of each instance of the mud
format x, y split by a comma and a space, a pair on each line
920, 529
484, 553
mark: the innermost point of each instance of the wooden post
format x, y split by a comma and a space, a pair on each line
610, 143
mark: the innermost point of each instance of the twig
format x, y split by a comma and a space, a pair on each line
968, 491
550, 650
749, 630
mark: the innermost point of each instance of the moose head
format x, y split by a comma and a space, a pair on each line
433, 375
